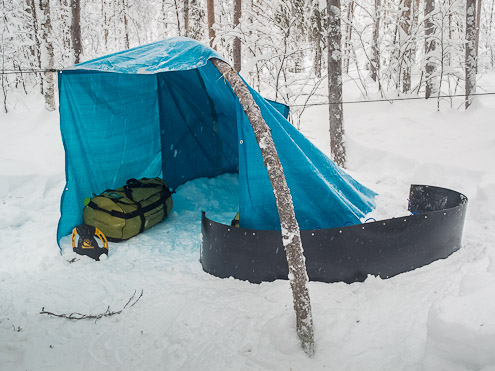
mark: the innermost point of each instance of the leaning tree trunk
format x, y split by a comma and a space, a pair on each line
430, 47
470, 59
336, 114
291, 236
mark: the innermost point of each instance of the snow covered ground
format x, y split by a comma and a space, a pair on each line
439, 317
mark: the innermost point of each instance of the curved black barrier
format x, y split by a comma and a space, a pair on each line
349, 254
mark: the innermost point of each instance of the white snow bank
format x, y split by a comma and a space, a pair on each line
461, 328
189, 320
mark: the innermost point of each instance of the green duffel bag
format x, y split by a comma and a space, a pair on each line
127, 211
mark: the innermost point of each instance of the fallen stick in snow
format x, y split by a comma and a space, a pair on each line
96, 317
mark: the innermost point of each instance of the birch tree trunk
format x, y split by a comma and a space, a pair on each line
430, 47
76, 30
290, 228
336, 115
470, 58
47, 56
210, 9
237, 41
406, 59
375, 59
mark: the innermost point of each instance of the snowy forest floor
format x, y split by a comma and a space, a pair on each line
439, 317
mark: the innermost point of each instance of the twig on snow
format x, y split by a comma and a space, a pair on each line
96, 317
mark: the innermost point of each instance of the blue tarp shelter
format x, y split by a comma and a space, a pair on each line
164, 110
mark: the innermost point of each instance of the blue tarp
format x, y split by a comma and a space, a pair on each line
164, 110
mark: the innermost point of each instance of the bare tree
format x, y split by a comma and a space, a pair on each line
186, 18
336, 114
478, 21
4, 77
406, 57
76, 29
210, 9
37, 42
430, 46
414, 28
237, 40
196, 13
126, 28
348, 35
316, 34
488, 38
177, 15
47, 56
470, 55
106, 25
291, 236
375, 58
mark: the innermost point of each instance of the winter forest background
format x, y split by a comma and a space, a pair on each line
389, 48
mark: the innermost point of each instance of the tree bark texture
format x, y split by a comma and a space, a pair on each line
414, 28
237, 40
470, 57
430, 47
406, 58
105, 21
290, 228
375, 59
76, 29
37, 45
478, 22
126, 28
210, 9
348, 35
490, 24
336, 115
186, 18
47, 56
317, 32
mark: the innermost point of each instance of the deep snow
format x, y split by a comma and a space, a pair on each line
439, 317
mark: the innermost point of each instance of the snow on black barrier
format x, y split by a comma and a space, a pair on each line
349, 254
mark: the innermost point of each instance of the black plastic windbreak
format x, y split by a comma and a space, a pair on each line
384, 248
